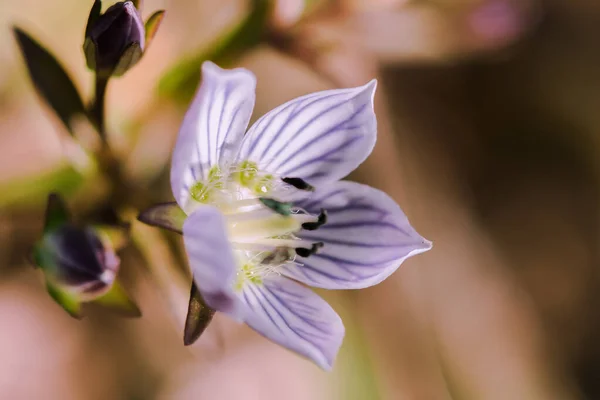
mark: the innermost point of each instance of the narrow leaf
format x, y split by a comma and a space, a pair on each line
57, 213
198, 317
166, 215
152, 25
93, 17
50, 79
117, 300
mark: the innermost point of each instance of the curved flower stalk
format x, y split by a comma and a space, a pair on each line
266, 214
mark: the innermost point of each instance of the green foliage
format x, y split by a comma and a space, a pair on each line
56, 213
180, 82
33, 190
50, 79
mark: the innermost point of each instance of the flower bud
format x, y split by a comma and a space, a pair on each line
76, 261
115, 40
79, 263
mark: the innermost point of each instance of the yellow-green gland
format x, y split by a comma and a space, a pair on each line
263, 185
248, 172
200, 192
249, 177
247, 274
214, 178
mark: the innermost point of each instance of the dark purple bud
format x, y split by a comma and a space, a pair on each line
115, 40
78, 261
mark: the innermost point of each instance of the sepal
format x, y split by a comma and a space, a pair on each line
166, 215
117, 300
198, 317
56, 213
152, 24
68, 301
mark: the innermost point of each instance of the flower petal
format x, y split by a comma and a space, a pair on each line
320, 137
295, 317
213, 126
211, 259
366, 238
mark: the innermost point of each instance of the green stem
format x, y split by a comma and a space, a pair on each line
109, 163
97, 108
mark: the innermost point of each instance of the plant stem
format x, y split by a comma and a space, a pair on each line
108, 161
97, 108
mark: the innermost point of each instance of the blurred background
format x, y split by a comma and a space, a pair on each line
489, 116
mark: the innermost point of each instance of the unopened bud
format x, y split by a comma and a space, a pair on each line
76, 261
115, 40
79, 262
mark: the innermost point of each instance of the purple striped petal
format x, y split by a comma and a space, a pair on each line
213, 127
211, 259
295, 317
320, 137
366, 238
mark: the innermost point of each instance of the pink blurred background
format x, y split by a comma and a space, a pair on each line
489, 134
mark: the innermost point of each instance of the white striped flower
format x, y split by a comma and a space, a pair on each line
267, 213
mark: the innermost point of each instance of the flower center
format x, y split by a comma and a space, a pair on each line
261, 229
238, 187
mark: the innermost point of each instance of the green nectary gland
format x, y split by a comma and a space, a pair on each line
199, 192
247, 274
246, 175
202, 192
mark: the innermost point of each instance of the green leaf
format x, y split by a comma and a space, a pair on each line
198, 317
66, 300
57, 213
166, 215
116, 299
32, 190
50, 79
180, 82
93, 17
152, 25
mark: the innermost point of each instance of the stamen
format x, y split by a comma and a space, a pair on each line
279, 256
302, 252
280, 208
312, 226
299, 184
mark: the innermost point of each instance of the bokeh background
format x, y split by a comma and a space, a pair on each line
489, 115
